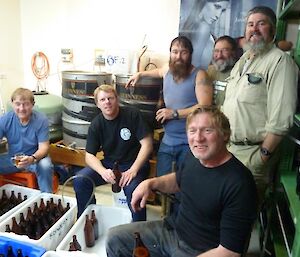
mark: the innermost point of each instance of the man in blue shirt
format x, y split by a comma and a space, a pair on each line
27, 134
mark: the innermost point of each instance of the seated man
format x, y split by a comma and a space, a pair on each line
218, 199
27, 133
122, 135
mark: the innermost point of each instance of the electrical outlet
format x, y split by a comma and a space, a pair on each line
66, 54
99, 57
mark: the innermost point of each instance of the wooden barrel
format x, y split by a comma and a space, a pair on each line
144, 96
79, 107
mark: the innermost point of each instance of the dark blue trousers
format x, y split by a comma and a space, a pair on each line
84, 188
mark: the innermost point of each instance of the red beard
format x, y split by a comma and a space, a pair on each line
180, 69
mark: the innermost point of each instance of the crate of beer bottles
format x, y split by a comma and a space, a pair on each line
107, 217
43, 222
9, 246
11, 193
70, 254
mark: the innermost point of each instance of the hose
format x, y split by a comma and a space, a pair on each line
78, 176
40, 68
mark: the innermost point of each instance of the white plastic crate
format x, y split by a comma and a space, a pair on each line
56, 233
107, 216
31, 195
68, 254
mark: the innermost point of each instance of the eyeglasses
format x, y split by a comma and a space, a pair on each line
222, 51
23, 104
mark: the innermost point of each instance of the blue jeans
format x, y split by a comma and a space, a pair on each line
166, 155
43, 170
83, 187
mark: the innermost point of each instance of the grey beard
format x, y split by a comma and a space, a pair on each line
224, 65
256, 48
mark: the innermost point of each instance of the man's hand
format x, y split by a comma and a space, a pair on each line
140, 195
133, 80
108, 175
164, 114
127, 177
24, 161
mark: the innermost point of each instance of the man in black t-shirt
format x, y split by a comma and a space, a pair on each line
218, 199
122, 135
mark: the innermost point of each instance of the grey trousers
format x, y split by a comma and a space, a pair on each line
160, 238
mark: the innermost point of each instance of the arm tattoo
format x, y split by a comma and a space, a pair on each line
203, 82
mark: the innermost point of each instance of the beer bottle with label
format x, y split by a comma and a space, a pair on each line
116, 187
139, 250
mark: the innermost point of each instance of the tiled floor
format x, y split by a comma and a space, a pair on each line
104, 196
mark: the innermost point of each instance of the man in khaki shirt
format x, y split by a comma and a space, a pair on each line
261, 97
224, 58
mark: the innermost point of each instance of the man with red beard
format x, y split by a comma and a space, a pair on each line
261, 97
224, 58
184, 87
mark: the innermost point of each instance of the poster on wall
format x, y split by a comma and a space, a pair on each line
203, 21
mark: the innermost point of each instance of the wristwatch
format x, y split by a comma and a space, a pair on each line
35, 159
175, 115
265, 152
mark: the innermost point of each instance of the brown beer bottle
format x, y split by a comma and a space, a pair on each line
4, 197
29, 216
115, 187
140, 250
13, 199
20, 199
15, 227
19, 253
89, 234
72, 247
42, 205
94, 221
10, 252
7, 228
76, 243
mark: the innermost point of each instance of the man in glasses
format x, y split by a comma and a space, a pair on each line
218, 199
261, 97
123, 136
27, 134
224, 58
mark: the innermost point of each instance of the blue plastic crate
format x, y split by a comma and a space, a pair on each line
27, 248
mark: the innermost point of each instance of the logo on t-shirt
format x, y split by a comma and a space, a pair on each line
125, 134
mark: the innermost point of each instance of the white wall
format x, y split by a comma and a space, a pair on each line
11, 64
86, 25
